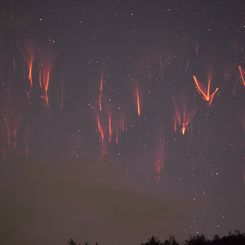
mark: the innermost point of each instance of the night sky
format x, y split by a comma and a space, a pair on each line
121, 119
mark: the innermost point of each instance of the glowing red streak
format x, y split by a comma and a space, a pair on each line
46, 77
160, 160
40, 76
205, 92
44, 80
176, 121
30, 59
28, 55
138, 101
187, 118
101, 91
100, 129
184, 123
177, 118
122, 124
100, 102
241, 71
102, 137
183, 118
101, 83
109, 127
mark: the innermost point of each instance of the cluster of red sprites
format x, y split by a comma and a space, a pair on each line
111, 129
181, 121
11, 120
44, 71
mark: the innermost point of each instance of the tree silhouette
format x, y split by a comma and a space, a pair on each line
171, 241
153, 241
232, 239
197, 240
71, 242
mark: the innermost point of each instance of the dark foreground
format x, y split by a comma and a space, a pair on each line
236, 238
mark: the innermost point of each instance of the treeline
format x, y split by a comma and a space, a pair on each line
236, 238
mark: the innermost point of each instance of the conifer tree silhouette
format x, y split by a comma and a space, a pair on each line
71, 242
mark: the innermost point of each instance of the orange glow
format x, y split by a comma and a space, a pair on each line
101, 90
28, 54
205, 92
242, 72
30, 60
46, 85
103, 143
109, 127
182, 118
187, 118
138, 101
100, 102
101, 82
100, 129
44, 80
